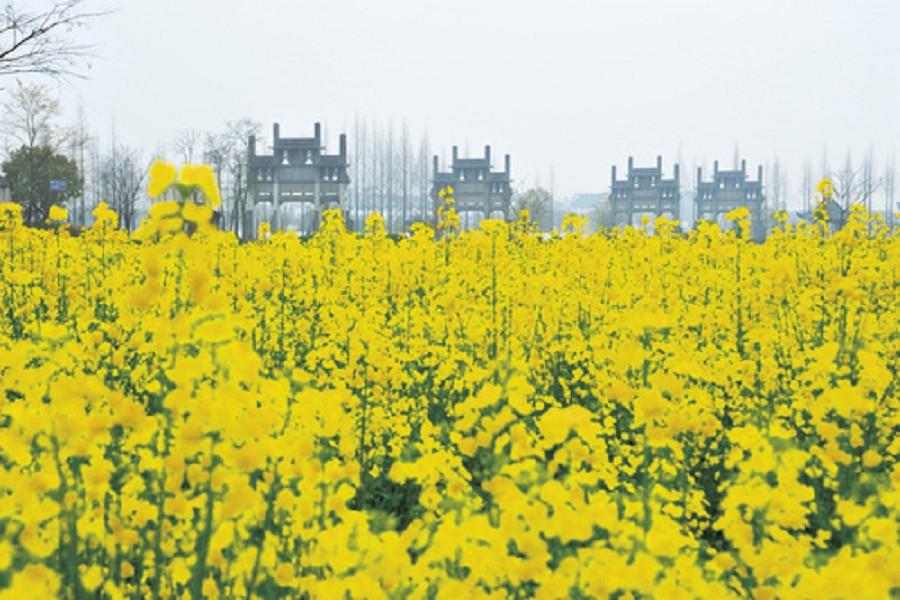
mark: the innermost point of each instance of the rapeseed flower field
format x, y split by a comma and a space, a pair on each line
448, 414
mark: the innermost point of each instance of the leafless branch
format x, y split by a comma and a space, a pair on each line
41, 41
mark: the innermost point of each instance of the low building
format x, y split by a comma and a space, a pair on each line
644, 192
298, 171
728, 190
478, 188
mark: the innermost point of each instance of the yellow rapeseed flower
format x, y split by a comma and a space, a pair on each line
487, 413
160, 178
58, 213
203, 177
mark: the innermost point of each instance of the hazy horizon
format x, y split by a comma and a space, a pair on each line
578, 86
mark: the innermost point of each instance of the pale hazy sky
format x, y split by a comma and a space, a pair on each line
576, 84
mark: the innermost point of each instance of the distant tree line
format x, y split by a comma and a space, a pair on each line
390, 171
390, 168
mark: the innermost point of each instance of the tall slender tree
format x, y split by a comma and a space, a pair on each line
188, 144
806, 187
890, 181
121, 180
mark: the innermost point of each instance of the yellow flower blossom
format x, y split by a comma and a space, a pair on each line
486, 413
203, 177
160, 178
58, 213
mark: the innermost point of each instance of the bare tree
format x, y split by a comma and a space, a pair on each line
217, 149
775, 186
78, 142
121, 181
688, 197
390, 171
551, 216
806, 187
404, 175
785, 185
93, 187
378, 163
854, 184
227, 153
389, 174
30, 117
236, 168
537, 202
868, 179
825, 167
354, 168
187, 142
424, 179
890, 176
41, 41
361, 175
846, 182
602, 215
